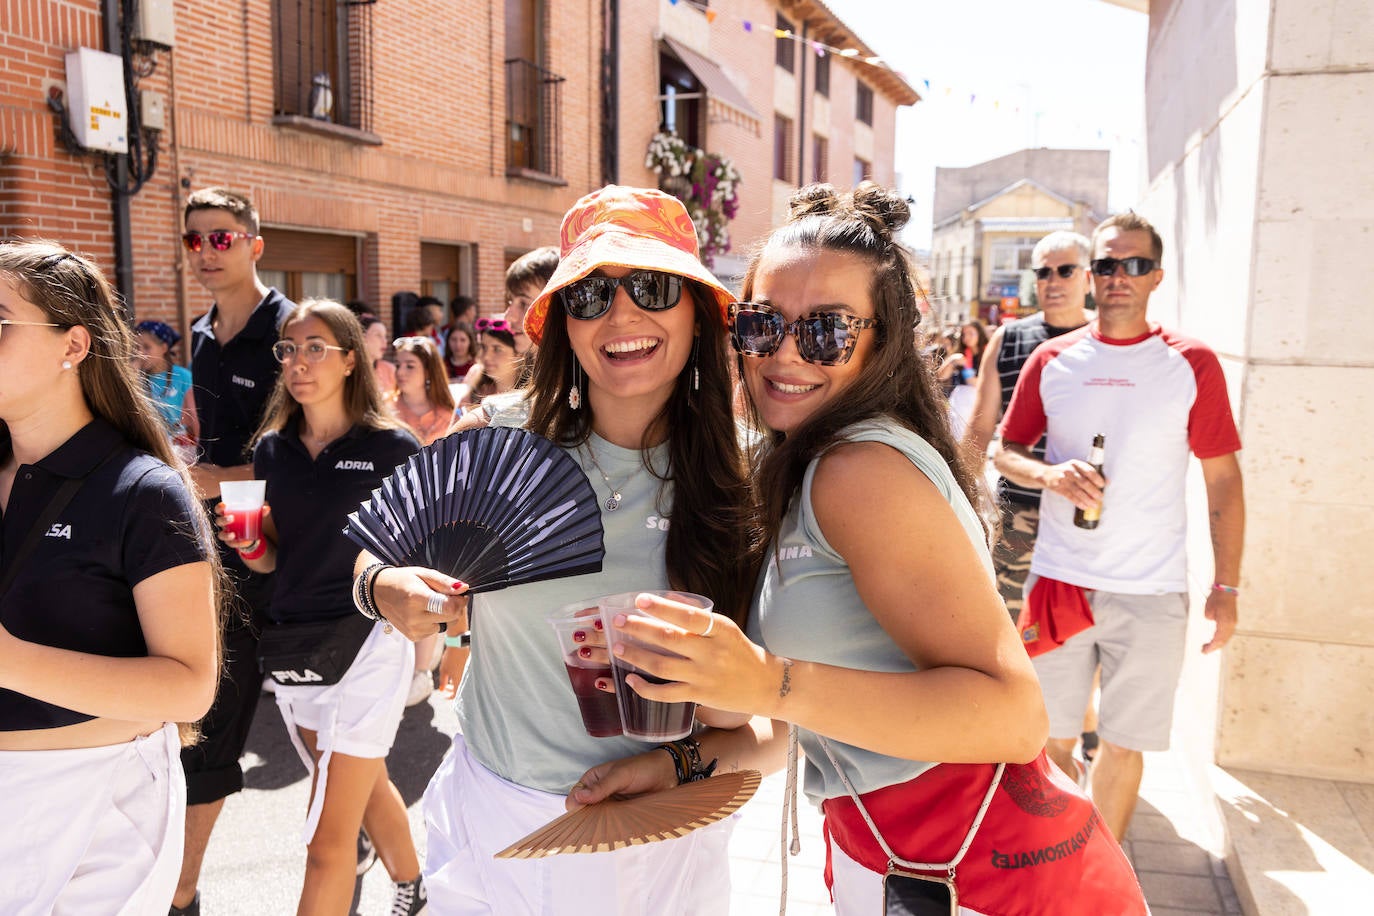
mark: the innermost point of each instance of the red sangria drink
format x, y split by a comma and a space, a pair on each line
600, 714
584, 656
641, 718
243, 501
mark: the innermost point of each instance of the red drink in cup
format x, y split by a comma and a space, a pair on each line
647, 720
575, 627
243, 501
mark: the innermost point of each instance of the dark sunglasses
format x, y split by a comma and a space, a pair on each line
826, 338
220, 240
500, 325
1064, 270
1135, 267
591, 297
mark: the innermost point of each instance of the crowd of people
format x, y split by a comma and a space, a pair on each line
823, 490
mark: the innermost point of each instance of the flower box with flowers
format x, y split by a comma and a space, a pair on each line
706, 183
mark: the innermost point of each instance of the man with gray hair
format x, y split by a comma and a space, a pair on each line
1060, 262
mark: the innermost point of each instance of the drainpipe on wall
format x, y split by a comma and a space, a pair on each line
610, 93
123, 226
801, 110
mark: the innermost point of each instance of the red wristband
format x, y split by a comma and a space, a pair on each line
254, 553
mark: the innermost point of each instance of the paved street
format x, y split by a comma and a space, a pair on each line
256, 860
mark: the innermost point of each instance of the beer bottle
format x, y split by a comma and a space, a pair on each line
1087, 518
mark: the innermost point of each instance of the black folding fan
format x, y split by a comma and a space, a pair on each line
492, 507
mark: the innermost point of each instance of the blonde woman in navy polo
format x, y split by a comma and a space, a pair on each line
107, 599
327, 441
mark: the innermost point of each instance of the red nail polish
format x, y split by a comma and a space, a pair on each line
584, 652
597, 623
602, 683
459, 586
579, 636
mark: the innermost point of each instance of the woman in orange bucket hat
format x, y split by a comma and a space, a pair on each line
633, 380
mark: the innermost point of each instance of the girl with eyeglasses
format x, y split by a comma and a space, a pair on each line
876, 626
633, 381
326, 442
109, 589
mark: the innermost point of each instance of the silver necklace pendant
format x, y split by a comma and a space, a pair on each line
612, 502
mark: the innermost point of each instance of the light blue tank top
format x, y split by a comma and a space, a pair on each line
515, 705
806, 607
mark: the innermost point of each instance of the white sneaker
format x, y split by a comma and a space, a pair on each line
421, 686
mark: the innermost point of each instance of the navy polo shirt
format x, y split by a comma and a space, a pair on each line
132, 519
233, 381
310, 500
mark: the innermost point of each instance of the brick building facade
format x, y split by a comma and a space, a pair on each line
459, 133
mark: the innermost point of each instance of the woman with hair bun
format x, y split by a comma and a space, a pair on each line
108, 603
876, 625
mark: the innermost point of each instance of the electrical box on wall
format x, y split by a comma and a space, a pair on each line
157, 23
95, 100
152, 109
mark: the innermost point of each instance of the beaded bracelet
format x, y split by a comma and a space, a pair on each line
686, 755
1228, 589
363, 599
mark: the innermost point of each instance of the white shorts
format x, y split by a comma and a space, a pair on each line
471, 814
92, 830
1140, 641
358, 716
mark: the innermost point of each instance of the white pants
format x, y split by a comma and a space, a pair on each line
471, 814
92, 830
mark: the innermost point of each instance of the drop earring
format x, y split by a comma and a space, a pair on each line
575, 391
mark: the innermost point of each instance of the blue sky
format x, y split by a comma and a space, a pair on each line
1005, 75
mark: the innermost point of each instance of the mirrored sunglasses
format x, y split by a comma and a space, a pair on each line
826, 338
1135, 267
414, 341
220, 240
500, 325
591, 297
1064, 270
314, 351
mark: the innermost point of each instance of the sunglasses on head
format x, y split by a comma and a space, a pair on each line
1064, 270
1135, 267
415, 341
591, 297
825, 338
220, 239
500, 325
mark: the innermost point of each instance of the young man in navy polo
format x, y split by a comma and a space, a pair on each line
234, 372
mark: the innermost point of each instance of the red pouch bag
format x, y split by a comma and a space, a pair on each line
1053, 612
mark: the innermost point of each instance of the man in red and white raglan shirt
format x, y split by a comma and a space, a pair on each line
1155, 396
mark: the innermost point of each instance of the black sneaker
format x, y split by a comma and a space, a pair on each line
409, 898
367, 853
190, 909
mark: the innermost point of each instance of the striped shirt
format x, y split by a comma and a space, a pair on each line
1019, 340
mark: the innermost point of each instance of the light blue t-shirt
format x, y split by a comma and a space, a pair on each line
515, 704
806, 607
168, 391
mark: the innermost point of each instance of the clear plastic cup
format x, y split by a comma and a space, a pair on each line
575, 625
647, 720
243, 500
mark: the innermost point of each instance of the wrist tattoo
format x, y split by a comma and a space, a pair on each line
786, 687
